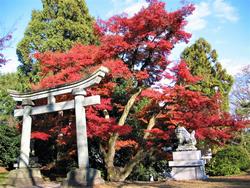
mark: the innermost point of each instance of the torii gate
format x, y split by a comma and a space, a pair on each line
78, 90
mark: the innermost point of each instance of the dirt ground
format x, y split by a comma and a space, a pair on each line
242, 181
2, 170
212, 182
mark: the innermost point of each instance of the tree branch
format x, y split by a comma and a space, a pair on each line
109, 159
151, 124
127, 108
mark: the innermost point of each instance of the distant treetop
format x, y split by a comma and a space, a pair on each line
56, 27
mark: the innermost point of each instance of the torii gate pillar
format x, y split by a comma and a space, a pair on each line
26, 134
81, 131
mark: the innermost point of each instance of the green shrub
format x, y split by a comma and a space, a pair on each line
9, 145
144, 171
245, 141
3, 178
229, 161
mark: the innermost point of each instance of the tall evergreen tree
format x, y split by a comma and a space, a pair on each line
56, 27
202, 61
7, 104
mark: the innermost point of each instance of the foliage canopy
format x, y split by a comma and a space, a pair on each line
133, 120
9, 81
9, 145
202, 61
56, 27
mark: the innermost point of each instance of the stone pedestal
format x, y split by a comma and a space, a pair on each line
82, 178
25, 177
187, 165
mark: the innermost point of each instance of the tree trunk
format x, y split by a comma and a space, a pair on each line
120, 174
109, 158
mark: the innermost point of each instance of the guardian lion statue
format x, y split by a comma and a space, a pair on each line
186, 140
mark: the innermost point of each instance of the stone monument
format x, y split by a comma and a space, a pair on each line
187, 163
27, 176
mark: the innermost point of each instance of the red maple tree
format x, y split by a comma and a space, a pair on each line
132, 114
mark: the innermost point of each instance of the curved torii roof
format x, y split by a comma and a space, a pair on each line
94, 78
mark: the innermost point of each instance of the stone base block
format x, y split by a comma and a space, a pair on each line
187, 165
82, 177
186, 148
25, 177
188, 173
186, 155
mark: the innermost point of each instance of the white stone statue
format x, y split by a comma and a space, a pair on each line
186, 140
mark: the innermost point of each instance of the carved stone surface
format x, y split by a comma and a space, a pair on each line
81, 133
25, 177
186, 140
188, 173
187, 165
94, 78
187, 155
186, 148
82, 178
54, 107
25, 138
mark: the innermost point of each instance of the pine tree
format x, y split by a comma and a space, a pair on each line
56, 27
202, 61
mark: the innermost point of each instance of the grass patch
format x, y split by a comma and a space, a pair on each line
3, 177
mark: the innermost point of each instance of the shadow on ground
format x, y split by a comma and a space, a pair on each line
232, 181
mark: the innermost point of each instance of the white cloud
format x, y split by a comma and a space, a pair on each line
225, 11
217, 29
221, 9
197, 20
221, 41
129, 7
119, 1
11, 65
234, 66
135, 7
175, 53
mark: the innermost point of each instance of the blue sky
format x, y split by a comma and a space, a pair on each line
224, 23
